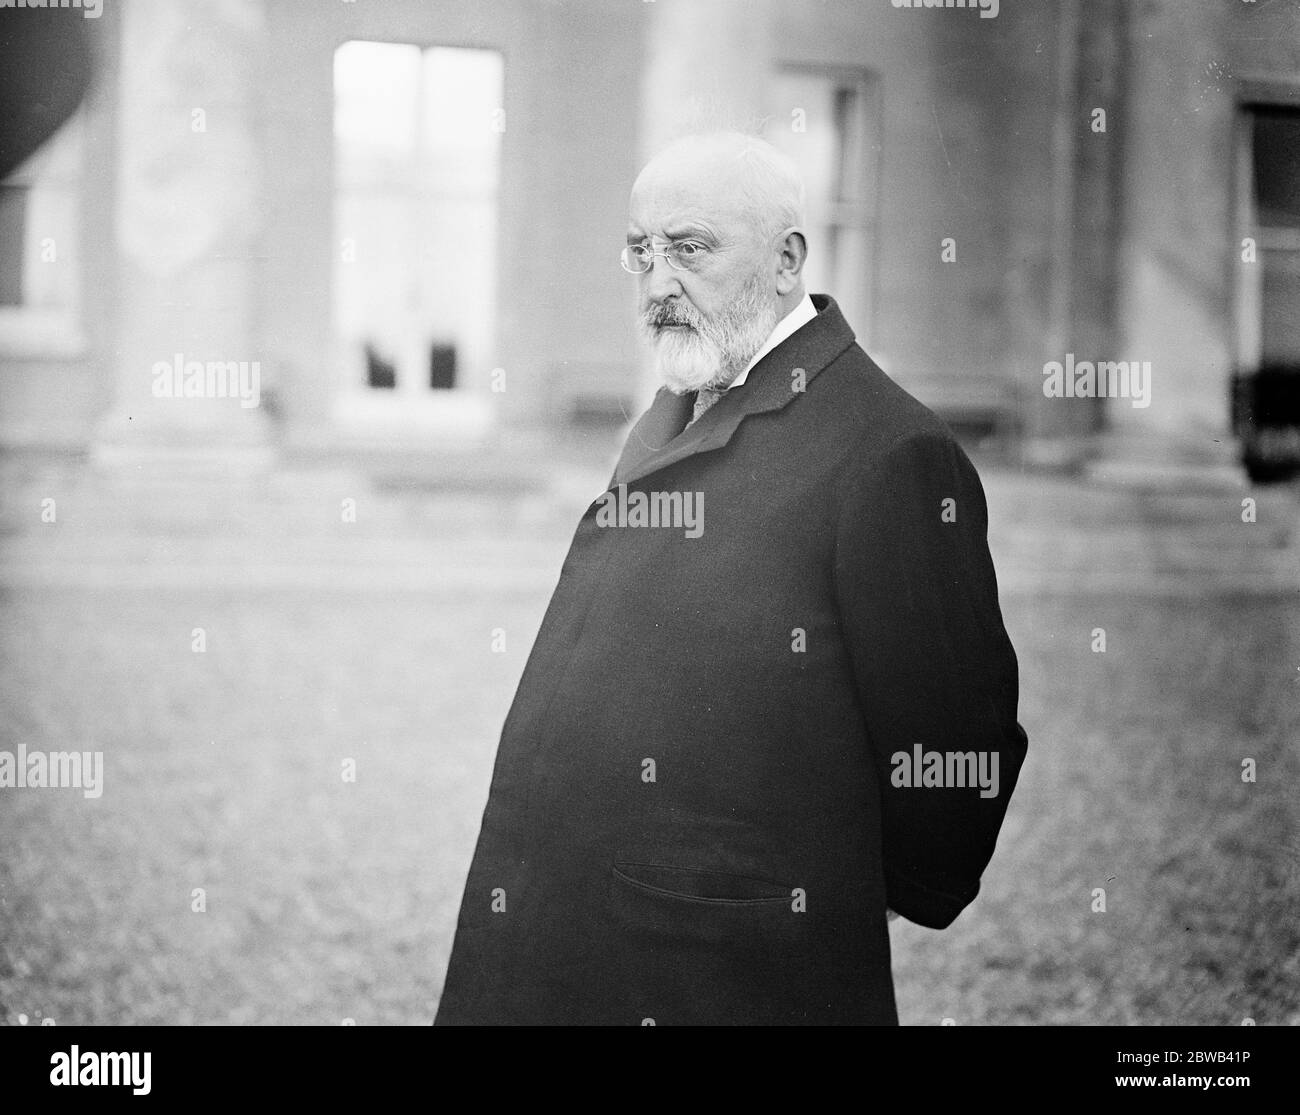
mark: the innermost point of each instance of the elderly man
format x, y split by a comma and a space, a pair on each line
772, 697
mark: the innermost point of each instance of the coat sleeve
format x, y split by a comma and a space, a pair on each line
931, 662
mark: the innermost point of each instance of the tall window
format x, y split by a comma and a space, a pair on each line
417, 135
1275, 170
1266, 390
39, 248
828, 121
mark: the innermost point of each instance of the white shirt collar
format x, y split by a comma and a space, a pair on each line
800, 316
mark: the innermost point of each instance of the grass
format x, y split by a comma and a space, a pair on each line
1134, 785
329, 900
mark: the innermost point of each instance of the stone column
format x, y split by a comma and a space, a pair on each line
186, 212
1055, 431
707, 68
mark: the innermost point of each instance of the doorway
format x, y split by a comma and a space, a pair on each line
1266, 390
417, 155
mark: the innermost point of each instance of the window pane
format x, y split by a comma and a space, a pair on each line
462, 102
824, 120
375, 99
39, 225
1277, 167
1276, 173
13, 222
418, 136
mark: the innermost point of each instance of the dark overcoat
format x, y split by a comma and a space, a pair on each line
697, 814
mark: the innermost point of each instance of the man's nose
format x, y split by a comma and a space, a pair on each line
660, 282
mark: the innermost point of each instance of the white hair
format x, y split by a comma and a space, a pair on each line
771, 186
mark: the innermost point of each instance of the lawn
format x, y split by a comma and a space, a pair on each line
328, 899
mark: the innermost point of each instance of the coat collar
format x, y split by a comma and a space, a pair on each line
652, 445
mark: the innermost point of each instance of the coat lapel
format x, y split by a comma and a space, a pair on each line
654, 430
771, 385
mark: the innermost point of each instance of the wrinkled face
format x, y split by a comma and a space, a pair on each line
704, 322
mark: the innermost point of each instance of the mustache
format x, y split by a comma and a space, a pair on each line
661, 314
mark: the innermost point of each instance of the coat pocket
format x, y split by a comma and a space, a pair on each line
703, 947
697, 884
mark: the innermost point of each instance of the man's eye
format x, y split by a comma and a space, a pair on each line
690, 249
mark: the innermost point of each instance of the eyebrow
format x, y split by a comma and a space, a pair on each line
686, 232
693, 232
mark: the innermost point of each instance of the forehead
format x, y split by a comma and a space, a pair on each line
668, 198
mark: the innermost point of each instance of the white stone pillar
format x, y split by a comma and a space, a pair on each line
708, 68
186, 208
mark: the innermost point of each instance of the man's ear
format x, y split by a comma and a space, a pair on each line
793, 252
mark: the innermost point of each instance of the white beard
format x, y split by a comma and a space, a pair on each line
713, 351
687, 361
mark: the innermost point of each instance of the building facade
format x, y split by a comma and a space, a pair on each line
406, 215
